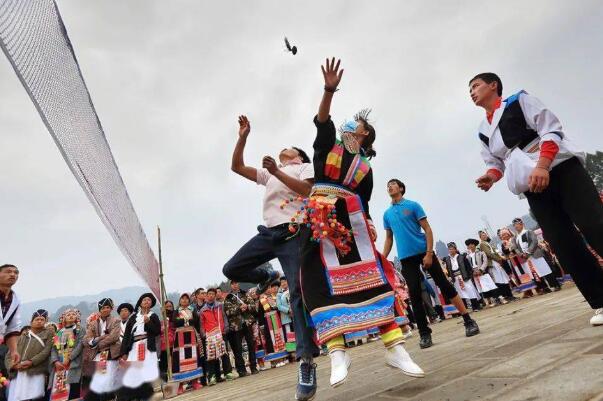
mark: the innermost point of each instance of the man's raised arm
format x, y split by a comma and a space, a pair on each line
238, 163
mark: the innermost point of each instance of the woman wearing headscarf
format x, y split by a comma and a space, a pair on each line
523, 276
139, 351
186, 336
460, 272
483, 281
347, 284
66, 357
34, 347
495, 269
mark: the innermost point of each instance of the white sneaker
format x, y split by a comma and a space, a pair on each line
397, 357
340, 362
407, 335
597, 319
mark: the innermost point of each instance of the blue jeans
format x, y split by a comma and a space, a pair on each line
268, 244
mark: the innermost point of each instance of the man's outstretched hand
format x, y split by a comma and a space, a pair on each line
485, 182
244, 127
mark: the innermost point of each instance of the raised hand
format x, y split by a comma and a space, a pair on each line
332, 74
269, 164
244, 127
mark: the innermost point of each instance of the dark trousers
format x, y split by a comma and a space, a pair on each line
74, 391
235, 338
504, 290
490, 294
547, 281
428, 305
475, 305
571, 206
213, 367
411, 270
269, 244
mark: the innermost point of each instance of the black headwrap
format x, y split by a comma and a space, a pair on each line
472, 241
146, 295
127, 306
517, 220
451, 245
105, 302
40, 313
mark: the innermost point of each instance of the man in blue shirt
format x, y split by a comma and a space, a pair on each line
406, 221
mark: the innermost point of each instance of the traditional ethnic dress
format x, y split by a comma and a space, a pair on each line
483, 281
464, 288
498, 274
523, 275
185, 355
67, 347
29, 385
213, 321
106, 372
534, 264
400, 297
343, 277
275, 346
139, 344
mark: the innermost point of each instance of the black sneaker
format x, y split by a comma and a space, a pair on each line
272, 276
242, 374
471, 328
255, 371
306, 381
425, 341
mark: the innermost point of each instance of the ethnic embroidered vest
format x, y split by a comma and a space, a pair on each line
513, 127
357, 171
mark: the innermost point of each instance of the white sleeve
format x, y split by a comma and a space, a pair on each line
491, 160
262, 176
541, 119
307, 172
15, 323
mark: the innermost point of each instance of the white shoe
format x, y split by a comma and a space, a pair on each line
340, 362
597, 319
397, 357
407, 335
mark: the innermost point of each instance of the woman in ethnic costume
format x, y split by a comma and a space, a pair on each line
66, 357
346, 284
185, 353
139, 351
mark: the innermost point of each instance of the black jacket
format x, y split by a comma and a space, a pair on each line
152, 328
464, 266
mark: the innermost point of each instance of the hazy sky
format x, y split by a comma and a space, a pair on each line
168, 80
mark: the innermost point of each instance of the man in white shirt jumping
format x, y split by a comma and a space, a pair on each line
286, 184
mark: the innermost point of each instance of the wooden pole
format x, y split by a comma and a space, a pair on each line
166, 324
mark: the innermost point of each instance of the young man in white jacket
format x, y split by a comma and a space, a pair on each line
523, 137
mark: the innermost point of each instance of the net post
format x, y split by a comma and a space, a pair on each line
166, 324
